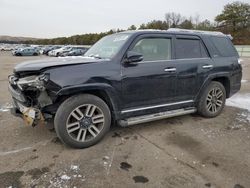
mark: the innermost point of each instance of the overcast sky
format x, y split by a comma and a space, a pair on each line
54, 18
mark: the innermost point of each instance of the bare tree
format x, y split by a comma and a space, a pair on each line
173, 19
196, 20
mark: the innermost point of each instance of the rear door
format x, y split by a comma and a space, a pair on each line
193, 65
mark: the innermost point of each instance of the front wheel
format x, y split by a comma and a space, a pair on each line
82, 120
212, 100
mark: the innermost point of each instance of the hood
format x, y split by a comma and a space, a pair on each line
38, 65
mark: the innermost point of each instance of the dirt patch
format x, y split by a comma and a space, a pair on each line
55, 156
37, 172
215, 164
56, 140
115, 135
11, 179
184, 141
208, 184
140, 179
125, 166
238, 186
179, 180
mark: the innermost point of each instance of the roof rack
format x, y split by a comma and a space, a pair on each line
195, 31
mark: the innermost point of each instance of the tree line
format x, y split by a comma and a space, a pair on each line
234, 20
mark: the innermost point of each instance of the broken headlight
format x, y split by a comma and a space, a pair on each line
36, 82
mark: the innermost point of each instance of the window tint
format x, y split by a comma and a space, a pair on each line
190, 48
154, 49
224, 46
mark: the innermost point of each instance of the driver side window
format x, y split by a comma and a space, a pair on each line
154, 49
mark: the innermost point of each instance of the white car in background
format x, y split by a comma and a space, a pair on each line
7, 48
58, 52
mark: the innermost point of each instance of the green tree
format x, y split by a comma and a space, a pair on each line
186, 24
205, 25
155, 24
235, 16
132, 27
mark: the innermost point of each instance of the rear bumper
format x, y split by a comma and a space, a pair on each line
234, 89
235, 82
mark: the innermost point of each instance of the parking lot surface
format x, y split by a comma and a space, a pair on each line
186, 151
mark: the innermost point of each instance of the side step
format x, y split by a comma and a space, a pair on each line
157, 116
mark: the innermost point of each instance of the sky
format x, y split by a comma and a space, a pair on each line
57, 18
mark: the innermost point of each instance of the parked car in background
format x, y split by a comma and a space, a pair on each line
58, 52
75, 51
7, 47
47, 49
30, 51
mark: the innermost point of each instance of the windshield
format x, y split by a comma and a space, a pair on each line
108, 46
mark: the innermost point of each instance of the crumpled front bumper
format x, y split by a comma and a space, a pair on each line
31, 116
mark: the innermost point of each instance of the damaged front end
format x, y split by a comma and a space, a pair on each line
30, 96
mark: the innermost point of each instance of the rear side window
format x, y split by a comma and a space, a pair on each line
154, 49
190, 48
224, 46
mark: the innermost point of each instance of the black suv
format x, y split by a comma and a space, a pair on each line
127, 78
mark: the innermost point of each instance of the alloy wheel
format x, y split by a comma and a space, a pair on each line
214, 100
85, 122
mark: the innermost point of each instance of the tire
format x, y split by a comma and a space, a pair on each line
35, 54
82, 120
18, 54
212, 100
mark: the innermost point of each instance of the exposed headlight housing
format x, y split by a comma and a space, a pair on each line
33, 82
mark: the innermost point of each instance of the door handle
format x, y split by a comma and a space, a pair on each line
207, 66
170, 70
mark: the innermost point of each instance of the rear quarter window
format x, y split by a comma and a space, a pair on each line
224, 46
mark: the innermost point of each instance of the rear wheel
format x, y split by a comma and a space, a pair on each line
212, 100
35, 54
82, 120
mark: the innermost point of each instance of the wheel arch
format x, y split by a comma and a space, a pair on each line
105, 92
224, 79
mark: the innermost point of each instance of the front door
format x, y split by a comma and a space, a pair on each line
150, 84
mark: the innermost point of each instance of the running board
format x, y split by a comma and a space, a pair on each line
157, 116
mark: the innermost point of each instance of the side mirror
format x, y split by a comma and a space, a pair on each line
133, 57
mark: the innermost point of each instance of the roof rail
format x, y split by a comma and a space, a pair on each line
195, 31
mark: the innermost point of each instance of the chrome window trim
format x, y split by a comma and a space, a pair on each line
155, 61
156, 106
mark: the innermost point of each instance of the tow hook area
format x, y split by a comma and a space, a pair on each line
31, 116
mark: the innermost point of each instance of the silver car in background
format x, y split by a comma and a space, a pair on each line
30, 51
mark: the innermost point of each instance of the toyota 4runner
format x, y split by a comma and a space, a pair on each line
127, 78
